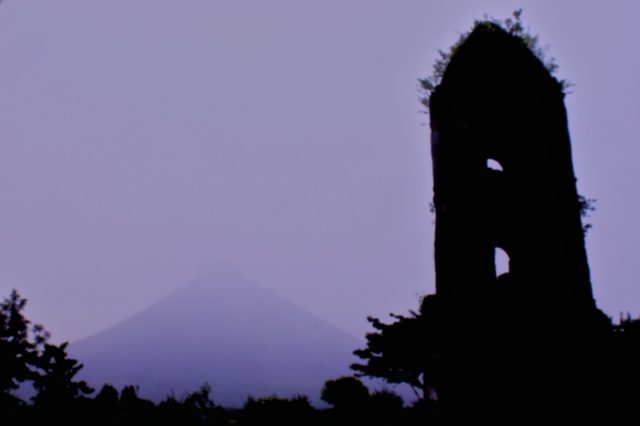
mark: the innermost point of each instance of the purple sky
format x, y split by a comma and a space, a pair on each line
142, 142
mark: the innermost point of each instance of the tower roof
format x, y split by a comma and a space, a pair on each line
491, 53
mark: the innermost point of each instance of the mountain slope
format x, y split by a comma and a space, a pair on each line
223, 329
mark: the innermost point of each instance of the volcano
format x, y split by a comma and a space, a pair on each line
222, 329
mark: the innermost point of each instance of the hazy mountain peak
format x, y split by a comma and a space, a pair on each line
224, 329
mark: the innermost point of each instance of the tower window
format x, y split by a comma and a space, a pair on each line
501, 261
494, 165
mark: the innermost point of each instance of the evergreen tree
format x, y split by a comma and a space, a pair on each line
27, 356
16, 351
54, 380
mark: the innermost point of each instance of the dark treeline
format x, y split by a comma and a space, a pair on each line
402, 352
29, 360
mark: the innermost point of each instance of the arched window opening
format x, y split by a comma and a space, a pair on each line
494, 165
501, 262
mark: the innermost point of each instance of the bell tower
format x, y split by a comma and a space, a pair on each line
504, 178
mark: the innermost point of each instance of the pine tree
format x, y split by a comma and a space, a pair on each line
16, 351
54, 380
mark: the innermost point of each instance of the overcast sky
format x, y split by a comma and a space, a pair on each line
143, 141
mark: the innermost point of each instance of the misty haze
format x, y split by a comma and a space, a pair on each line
226, 211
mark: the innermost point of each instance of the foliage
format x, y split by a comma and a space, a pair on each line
399, 352
586, 206
16, 350
55, 378
628, 328
26, 355
395, 352
512, 25
193, 409
345, 393
200, 400
277, 410
107, 399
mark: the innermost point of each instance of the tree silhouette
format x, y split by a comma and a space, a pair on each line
108, 396
17, 352
405, 351
106, 405
133, 408
200, 401
386, 401
345, 393
27, 356
193, 409
394, 352
277, 410
54, 379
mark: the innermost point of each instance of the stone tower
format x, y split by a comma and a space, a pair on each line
498, 105
531, 343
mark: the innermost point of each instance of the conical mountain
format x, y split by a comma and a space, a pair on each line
225, 330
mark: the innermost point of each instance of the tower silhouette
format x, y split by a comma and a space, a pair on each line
503, 178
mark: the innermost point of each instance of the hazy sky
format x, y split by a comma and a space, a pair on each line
142, 142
